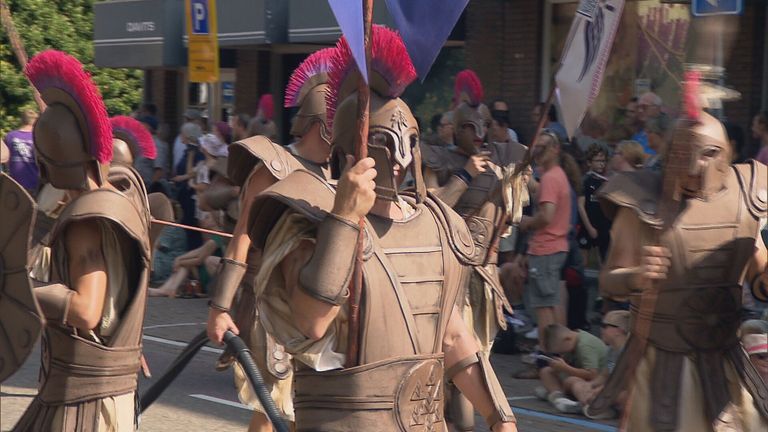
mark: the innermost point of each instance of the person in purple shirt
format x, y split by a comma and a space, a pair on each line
21, 164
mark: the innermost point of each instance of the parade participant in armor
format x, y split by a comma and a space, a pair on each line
94, 306
262, 123
413, 264
466, 177
257, 163
130, 139
691, 366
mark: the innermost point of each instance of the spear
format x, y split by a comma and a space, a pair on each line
191, 228
361, 152
6, 19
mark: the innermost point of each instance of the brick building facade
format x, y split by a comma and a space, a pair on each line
511, 44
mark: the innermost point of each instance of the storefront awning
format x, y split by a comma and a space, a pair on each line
139, 33
312, 21
250, 22
152, 34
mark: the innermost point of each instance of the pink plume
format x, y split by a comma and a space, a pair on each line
317, 63
468, 83
691, 98
56, 69
389, 59
138, 133
267, 106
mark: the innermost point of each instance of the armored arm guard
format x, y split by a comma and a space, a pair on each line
502, 413
327, 274
453, 189
54, 301
230, 274
620, 281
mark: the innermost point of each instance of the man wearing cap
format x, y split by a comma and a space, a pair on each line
193, 116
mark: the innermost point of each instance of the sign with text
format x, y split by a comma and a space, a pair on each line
717, 7
203, 42
583, 62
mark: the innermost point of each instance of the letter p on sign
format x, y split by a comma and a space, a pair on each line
200, 16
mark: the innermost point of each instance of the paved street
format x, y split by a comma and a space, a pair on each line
202, 399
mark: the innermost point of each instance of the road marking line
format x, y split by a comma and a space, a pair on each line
517, 398
221, 401
171, 325
570, 420
180, 344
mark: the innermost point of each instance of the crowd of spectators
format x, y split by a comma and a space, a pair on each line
574, 332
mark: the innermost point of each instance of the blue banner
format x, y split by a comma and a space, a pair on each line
424, 26
349, 15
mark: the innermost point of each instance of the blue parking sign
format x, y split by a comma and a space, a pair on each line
199, 12
717, 7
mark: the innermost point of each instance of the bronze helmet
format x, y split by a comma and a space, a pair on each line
471, 118
307, 89
130, 140
73, 134
393, 134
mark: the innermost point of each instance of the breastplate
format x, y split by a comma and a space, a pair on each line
481, 210
711, 244
415, 252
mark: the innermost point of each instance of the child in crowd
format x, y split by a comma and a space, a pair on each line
615, 332
587, 356
595, 226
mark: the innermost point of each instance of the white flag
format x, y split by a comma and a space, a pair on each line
584, 58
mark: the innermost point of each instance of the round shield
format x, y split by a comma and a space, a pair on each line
20, 318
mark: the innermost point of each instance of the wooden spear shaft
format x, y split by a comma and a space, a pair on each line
361, 152
192, 228
6, 19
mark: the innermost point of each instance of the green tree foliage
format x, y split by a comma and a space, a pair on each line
65, 25
435, 95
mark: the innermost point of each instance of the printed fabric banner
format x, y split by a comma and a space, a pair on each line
584, 58
203, 54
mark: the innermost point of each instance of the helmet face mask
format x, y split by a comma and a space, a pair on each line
471, 126
393, 137
699, 156
311, 111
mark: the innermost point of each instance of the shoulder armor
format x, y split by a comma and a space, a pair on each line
753, 180
244, 155
638, 190
302, 191
128, 182
458, 234
510, 153
439, 158
111, 205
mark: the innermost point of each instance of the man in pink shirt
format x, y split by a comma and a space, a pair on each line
548, 245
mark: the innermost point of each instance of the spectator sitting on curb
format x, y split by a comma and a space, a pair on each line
589, 355
201, 263
615, 332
